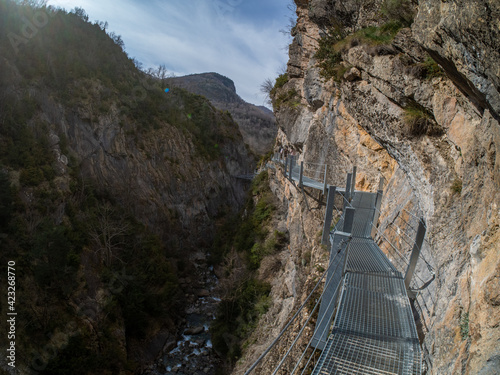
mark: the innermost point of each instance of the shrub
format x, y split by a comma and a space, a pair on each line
238, 316
283, 97
379, 35
432, 69
259, 250
464, 326
280, 82
398, 10
420, 122
31, 176
427, 69
329, 53
456, 186
260, 183
288, 98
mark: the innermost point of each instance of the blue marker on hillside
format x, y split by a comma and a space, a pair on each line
167, 90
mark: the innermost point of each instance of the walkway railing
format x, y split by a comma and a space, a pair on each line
343, 267
396, 241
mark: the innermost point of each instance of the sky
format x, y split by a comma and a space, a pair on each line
239, 39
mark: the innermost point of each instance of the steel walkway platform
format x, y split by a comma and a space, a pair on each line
374, 331
309, 182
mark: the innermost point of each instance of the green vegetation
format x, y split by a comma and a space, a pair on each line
427, 69
419, 121
397, 14
243, 232
60, 257
238, 315
329, 53
401, 11
87, 263
240, 246
464, 326
265, 158
280, 82
289, 98
259, 250
432, 69
329, 57
456, 186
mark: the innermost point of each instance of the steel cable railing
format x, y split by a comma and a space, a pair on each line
429, 266
430, 269
309, 318
320, 173
256, 363
405, 242
322, 333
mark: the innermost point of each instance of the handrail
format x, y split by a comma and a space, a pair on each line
256, 363
304, 170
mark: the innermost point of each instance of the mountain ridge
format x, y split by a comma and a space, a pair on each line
257, 125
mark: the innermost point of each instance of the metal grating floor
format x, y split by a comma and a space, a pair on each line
366, 256
353, 354
364, 203
375, 306
374, 331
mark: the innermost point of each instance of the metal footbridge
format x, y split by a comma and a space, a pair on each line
363, 321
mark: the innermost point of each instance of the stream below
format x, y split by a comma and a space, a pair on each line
192, 353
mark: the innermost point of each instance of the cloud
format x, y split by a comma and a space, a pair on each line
236, 38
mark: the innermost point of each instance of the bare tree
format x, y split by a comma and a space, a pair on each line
160, 73
292, 19
35, 3
266, 87
102, 24
137, 63
235, 272
107, 234
80, 12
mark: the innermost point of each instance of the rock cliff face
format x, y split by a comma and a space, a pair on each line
443, 167
160, 174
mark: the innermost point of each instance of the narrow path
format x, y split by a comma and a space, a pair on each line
373, 330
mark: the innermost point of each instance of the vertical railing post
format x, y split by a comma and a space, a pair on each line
415, 253
353, 185
291, 168
348, 190
301, 174
378, 205
286, 165
330, 201
348, 228
324, 185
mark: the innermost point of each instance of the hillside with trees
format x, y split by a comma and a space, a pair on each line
107, 185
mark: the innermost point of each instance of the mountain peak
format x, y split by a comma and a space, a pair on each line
228, 82
257, 124
214, 86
